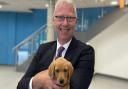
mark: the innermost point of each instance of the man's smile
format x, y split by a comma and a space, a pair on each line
64, 29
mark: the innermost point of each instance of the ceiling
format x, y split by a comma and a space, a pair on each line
27, 5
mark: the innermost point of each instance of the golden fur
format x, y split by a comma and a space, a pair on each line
61, 70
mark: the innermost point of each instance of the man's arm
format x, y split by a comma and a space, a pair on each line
32, 70
42, 80
38, 76
84, 69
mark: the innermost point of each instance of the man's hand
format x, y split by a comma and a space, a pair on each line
43, 81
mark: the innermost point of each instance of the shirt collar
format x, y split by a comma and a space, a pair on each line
66, 45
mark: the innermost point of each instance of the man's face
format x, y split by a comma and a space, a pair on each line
64, 21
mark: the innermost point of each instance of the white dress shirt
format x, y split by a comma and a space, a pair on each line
66, 45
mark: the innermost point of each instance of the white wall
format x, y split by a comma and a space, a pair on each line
111, 49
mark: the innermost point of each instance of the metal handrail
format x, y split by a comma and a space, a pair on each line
30, 37
25, 50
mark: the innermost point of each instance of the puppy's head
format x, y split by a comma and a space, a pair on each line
61, 70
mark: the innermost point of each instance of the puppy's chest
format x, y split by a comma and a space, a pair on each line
66, 87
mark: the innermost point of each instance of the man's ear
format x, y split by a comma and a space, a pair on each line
51, 70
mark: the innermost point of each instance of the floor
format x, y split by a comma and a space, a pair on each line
9, 79
105, 82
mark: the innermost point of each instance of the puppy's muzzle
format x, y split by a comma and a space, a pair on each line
61, 81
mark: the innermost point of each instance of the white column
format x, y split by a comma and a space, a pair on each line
50, 30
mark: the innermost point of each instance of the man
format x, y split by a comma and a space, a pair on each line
79, 54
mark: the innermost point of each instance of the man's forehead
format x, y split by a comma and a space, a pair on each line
64, 7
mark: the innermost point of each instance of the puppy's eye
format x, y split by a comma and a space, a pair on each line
65, 70
57, 70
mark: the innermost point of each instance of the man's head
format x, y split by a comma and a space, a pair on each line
64, 20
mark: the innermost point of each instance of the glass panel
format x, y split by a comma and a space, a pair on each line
23, 53
26, 49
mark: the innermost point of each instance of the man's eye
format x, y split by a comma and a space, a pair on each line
61, 17
69, 17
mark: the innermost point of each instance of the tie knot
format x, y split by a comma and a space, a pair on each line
60, 50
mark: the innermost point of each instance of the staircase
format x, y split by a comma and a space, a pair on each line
111, 55
103, 23
25, 50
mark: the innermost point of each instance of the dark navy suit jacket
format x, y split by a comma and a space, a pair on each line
79, 54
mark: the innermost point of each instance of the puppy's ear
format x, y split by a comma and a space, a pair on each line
51, 70
71, 69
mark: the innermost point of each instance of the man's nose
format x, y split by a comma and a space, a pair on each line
65, 22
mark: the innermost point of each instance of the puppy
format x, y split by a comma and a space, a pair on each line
61, 70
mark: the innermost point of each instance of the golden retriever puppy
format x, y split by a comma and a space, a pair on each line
61, 70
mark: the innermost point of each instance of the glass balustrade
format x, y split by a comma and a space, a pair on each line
25, 50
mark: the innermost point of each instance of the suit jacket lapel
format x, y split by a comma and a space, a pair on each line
52, 51
50, 55
70, 50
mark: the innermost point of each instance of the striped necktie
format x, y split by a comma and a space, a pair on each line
60, 50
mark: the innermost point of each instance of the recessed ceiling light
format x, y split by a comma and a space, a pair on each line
114, 3
0, 6
46, 5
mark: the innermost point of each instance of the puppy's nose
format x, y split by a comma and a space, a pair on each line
61, 81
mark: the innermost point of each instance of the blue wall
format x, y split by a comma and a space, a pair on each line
15, 27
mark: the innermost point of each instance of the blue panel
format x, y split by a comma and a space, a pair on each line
27, 23
11, 37
15, 27
6, 33
3, 37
